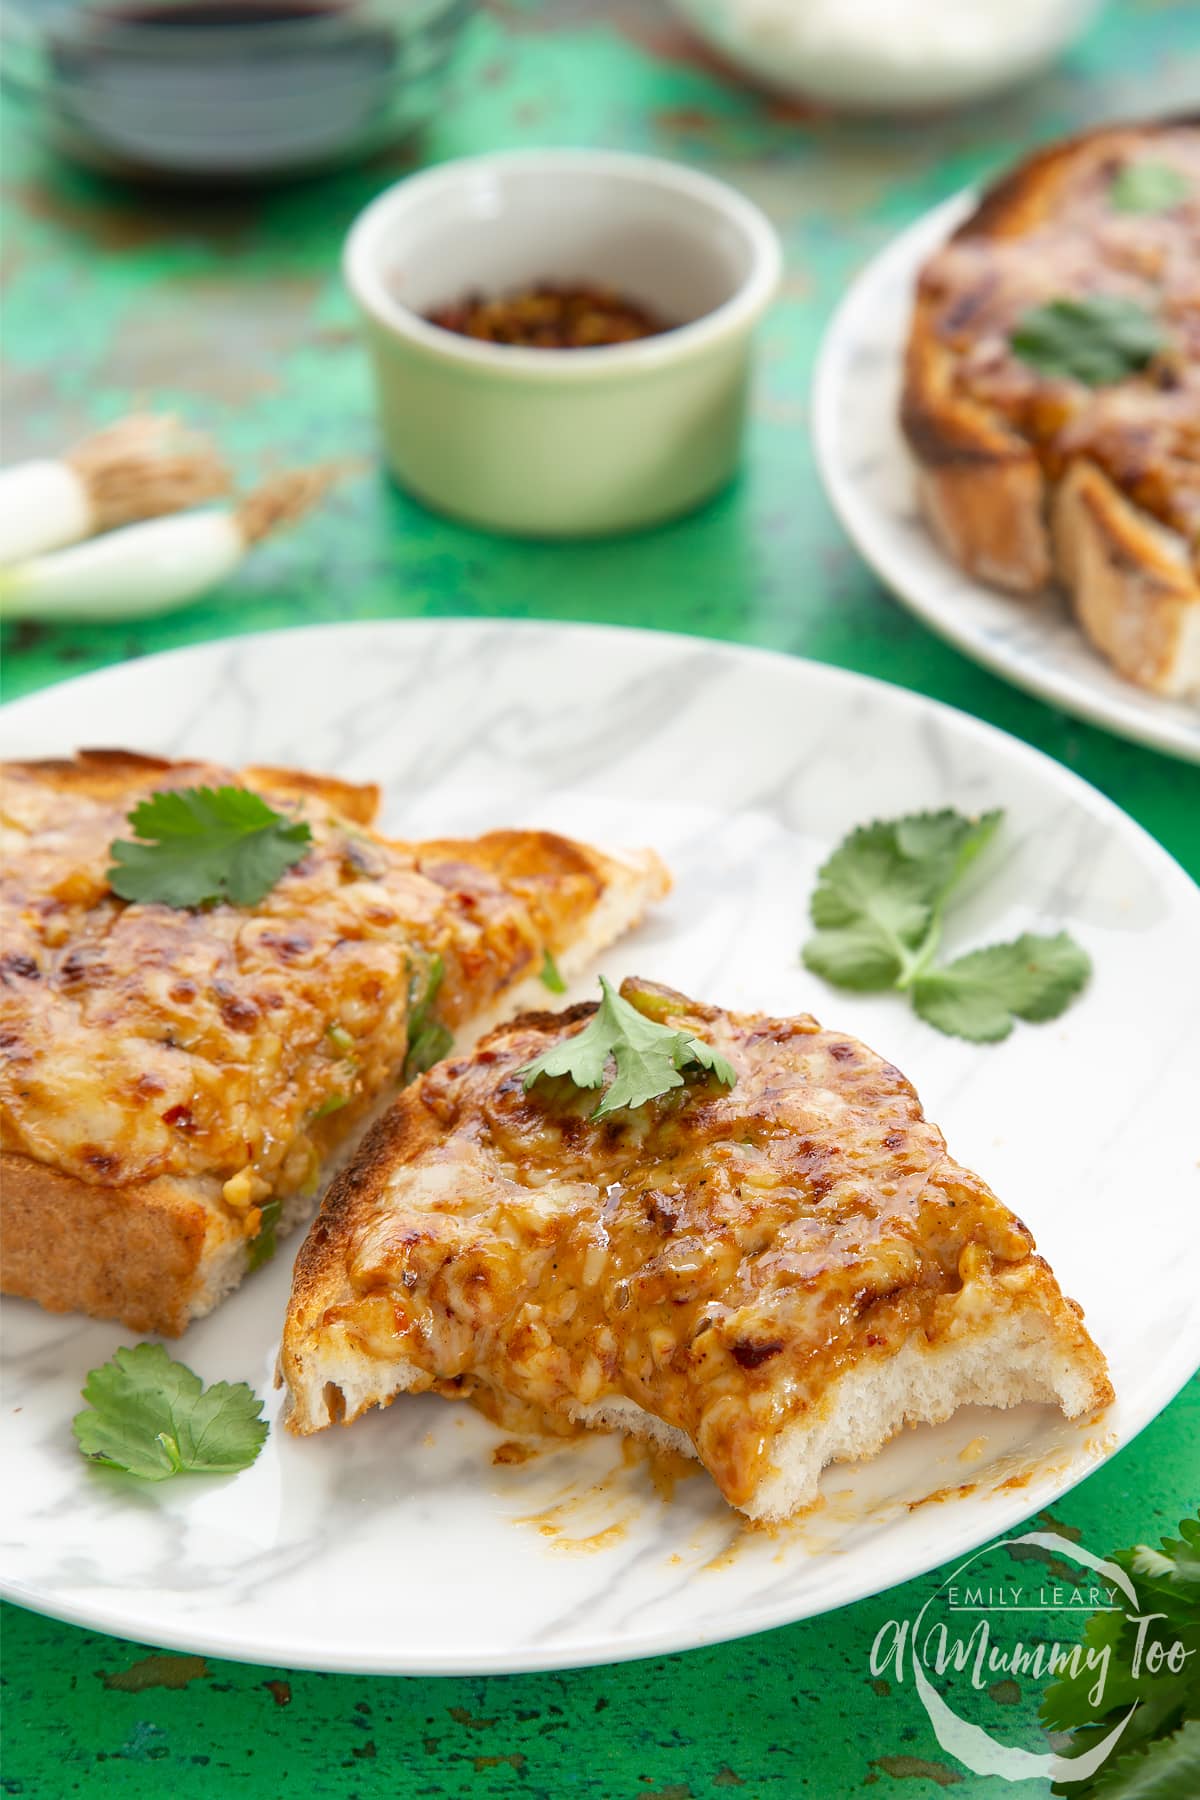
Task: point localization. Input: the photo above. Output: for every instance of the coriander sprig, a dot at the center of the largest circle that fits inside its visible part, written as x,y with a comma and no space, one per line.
647,1059
204,845
878,908
153,1417
1100,339
1155,1692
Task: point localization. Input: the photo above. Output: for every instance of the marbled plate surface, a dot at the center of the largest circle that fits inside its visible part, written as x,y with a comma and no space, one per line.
868,474
399,1545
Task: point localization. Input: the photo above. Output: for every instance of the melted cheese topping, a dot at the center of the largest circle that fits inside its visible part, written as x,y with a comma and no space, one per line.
714,1256
235,1045
1144,431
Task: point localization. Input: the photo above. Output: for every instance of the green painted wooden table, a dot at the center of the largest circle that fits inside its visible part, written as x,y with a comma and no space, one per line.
232,312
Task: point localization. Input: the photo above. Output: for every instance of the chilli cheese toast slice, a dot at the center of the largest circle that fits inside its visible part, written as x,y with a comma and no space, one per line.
174,1082
1052,390
770,1276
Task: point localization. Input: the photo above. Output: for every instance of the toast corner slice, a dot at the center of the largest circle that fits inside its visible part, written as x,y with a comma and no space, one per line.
155,1246
769,1278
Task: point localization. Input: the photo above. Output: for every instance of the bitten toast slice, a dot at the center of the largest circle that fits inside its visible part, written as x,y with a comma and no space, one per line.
769,1277
176,1083
1026,472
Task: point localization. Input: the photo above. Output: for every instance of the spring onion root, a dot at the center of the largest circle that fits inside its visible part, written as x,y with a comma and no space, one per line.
140,468
156,566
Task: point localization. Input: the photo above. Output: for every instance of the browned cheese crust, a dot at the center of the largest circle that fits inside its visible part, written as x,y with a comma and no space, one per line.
718,1257
1025,476
166,1073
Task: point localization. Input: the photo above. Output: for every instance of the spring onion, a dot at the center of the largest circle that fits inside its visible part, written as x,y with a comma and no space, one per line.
137,469
156,566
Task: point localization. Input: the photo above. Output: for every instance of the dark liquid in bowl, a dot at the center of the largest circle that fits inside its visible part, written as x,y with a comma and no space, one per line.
219,89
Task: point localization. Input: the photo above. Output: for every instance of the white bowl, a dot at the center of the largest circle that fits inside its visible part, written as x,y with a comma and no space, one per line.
888,55
562,442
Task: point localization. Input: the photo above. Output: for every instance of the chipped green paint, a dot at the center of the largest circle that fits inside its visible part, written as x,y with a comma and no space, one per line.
232,312
159,1670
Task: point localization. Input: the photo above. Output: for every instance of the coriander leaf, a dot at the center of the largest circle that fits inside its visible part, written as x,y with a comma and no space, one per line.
549,975
205,845
878,898
153,1417
860,957
1169,1769
1097,340
428,1038
1158,1757
1148,187
708,1058
262,1248
947,842
980,994
648,1059
1177,1561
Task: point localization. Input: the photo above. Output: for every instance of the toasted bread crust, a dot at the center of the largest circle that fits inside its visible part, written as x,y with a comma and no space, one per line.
1132,588
129,1253
993,501
107,774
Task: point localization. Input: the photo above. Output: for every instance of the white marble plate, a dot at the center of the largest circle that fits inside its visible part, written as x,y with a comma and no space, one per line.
868,475
398,1545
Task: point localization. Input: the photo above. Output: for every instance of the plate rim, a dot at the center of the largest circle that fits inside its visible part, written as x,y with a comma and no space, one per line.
207,1639
856,515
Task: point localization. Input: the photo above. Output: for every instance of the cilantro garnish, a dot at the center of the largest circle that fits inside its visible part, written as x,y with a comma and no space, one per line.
1148,187
878,901
1097,340
152,1417
428,1039
1158,1754
549,974
647,1059
204,845
878,908
979,995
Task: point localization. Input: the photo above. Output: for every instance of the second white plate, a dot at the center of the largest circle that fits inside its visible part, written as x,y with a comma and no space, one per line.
868,474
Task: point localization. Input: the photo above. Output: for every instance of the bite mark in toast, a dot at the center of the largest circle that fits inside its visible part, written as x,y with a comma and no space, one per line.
769,1277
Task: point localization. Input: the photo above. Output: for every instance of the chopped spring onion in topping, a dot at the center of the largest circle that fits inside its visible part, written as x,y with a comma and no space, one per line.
340,1038
549,975
647,1059
330,1104
204,845
428,1039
